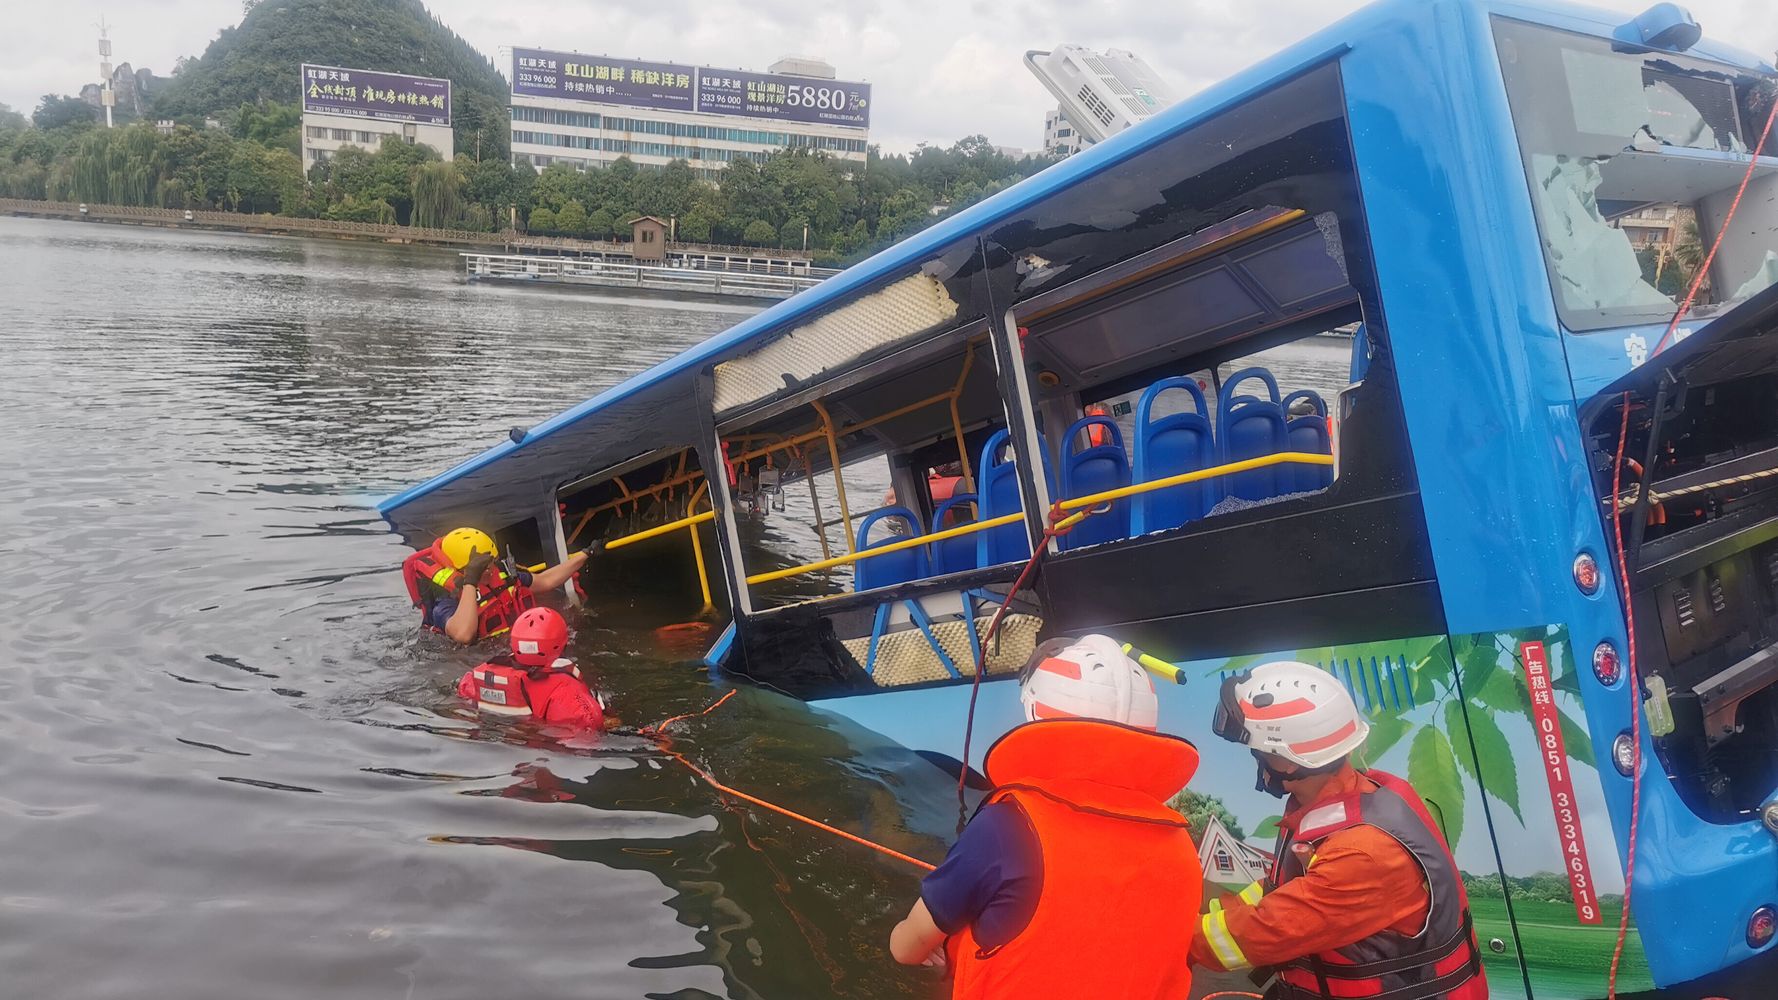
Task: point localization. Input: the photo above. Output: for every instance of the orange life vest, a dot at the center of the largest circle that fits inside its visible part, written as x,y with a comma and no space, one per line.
500,599
1121,878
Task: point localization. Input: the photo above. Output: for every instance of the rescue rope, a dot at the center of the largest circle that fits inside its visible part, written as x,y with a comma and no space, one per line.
656,730
1061,523
1630,496
1617,521
1721,231
1230,993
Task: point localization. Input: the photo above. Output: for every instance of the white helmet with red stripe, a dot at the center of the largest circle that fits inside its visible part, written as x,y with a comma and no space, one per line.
1300,713
1088,678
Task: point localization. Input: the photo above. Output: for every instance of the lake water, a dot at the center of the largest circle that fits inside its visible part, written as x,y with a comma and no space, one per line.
229,765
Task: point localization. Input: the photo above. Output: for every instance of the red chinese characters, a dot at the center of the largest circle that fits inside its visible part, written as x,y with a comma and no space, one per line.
1554,751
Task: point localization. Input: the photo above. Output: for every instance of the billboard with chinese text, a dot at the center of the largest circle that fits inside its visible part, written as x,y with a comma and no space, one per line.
362,93
669,86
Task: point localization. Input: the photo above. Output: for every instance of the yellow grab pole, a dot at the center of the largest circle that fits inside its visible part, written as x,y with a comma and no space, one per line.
1281,458
957,419
661,529
839,480
697,552
880,550
1078,504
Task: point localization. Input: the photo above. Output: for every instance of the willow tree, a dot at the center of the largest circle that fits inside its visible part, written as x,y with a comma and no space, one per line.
438,195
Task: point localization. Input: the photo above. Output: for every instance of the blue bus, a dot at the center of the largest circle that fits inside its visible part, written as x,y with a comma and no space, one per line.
1366,357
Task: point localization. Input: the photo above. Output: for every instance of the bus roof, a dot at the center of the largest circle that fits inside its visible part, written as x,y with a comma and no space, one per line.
512,480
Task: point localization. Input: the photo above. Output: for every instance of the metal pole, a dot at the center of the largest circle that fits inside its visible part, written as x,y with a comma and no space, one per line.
1015,391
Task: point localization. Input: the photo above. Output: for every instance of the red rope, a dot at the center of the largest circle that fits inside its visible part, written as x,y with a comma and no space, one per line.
1721,231
1057,515
762,803
1623,920
1617,521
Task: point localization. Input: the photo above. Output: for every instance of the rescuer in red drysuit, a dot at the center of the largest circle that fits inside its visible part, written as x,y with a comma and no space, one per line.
533,681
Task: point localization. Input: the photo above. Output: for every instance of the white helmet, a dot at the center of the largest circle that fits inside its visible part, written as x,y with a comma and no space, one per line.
1291,710
1088,678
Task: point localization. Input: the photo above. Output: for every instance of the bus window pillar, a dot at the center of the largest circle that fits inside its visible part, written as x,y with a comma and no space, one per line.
711,460
1015,393
555,539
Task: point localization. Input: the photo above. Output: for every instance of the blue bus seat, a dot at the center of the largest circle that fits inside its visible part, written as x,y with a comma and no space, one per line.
998,486
896,567
1096,469
1307,432
953,555
1169,446
1249,427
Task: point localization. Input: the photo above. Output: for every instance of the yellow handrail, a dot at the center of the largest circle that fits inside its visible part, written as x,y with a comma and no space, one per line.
661,529
1077,503
1294,457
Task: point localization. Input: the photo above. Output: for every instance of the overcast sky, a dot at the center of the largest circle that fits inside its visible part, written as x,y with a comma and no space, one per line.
939,69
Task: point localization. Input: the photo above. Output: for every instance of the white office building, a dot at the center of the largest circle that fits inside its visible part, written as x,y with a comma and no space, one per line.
591,110
1100,94
355,107
1059,137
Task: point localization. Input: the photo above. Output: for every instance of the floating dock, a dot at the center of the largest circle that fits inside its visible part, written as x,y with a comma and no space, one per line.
762,283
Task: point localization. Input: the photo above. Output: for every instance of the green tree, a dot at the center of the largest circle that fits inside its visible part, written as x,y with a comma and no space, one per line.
600,224
1197,808
437,194
60,111
10,119
541,220
571,218
759,233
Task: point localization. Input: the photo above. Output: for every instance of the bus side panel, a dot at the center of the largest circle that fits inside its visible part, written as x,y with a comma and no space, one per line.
1409,692
1517,693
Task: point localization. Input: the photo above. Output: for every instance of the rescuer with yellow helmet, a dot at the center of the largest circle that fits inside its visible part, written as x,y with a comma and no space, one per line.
464,590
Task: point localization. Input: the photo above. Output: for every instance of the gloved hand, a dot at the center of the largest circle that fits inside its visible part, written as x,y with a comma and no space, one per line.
477,567
597,547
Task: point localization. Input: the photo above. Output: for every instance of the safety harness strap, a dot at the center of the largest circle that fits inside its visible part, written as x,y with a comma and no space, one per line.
1390,966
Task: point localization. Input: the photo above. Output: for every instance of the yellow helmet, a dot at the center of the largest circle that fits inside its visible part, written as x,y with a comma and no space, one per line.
457,545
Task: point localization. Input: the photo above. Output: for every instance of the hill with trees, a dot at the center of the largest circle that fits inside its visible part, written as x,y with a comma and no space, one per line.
257,62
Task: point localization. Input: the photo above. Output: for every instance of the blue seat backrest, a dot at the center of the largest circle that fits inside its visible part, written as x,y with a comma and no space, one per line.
896,567
998,486
1249,427
953,555
1169,446
1095,469
1307,432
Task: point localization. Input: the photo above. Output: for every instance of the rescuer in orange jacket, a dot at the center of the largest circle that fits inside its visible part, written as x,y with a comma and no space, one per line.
534,681
1073,878
465,592
1364,899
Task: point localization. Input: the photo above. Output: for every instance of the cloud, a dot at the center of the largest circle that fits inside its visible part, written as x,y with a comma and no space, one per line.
939,69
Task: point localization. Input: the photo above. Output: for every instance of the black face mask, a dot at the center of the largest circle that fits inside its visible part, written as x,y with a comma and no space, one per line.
1269,781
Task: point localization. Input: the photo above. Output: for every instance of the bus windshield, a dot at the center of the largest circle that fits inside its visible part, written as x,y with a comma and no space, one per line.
1633,159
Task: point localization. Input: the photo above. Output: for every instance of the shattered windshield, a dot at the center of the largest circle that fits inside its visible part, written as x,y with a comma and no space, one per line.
1633,159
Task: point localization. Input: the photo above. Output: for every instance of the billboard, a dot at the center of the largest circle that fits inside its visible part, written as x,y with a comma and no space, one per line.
362,93
786,98
672,87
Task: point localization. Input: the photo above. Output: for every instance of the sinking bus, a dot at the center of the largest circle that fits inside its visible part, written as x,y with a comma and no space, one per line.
1364,358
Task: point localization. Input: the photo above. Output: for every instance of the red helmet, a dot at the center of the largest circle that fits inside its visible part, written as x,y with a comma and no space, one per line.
538,637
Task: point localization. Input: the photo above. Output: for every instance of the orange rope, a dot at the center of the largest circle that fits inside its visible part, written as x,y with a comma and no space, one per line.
762,803
1231,993
664,723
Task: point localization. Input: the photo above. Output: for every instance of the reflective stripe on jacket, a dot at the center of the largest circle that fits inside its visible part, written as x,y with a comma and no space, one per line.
500,599
1427,951
1121,879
